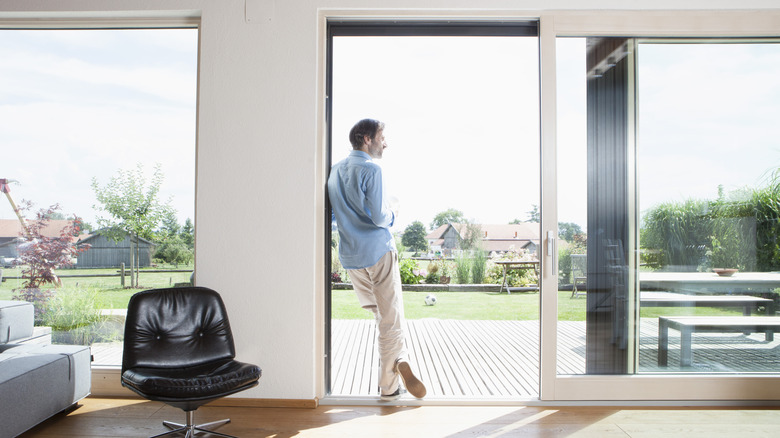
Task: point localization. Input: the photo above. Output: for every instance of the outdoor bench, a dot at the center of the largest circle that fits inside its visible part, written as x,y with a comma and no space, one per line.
671,299
687,325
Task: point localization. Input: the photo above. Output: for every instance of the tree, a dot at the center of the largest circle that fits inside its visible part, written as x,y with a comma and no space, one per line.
471,237
533,214
174,251
133,208
450,216
84,227
170,225
187,234
40,255
173,245
567,230
414,237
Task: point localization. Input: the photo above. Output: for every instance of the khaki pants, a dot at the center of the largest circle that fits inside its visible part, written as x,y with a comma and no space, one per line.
378,289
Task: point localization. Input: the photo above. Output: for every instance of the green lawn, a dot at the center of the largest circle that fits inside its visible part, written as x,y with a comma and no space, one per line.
115,295
450,305
493,306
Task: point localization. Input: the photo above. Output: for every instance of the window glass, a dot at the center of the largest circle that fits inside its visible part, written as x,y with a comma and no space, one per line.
90,118
708,160
667,155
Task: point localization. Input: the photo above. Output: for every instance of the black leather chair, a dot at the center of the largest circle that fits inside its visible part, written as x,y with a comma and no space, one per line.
179,350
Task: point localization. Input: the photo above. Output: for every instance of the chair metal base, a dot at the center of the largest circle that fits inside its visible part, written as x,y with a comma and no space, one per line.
190,429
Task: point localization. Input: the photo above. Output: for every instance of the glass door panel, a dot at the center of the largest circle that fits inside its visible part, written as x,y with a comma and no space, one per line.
709,197
667,197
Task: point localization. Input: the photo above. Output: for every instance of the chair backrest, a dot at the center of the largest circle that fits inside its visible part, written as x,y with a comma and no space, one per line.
579,265
176,327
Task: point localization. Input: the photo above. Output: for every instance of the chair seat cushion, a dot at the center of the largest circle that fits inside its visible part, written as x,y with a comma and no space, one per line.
214,379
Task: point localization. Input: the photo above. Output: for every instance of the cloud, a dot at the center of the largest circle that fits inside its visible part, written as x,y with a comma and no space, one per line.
83,104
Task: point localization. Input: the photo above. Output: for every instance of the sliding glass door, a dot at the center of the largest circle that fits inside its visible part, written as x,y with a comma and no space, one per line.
668,193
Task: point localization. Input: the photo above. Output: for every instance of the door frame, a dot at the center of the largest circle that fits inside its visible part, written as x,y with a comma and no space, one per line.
620,389
656,388
337,27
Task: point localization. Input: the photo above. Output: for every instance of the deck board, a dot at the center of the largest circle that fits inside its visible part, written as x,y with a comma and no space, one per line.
476,359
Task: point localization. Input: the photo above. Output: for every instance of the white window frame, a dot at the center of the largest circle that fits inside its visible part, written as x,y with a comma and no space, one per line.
626,389
106,380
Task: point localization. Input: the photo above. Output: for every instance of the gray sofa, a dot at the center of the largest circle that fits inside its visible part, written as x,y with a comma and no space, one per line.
37,379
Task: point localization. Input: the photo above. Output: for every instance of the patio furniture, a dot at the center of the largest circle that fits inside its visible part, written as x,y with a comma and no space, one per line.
179,349
579,274
687,325
671,299
516,264
709,283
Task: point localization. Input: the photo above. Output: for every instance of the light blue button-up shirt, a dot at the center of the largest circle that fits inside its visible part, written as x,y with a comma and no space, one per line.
361,210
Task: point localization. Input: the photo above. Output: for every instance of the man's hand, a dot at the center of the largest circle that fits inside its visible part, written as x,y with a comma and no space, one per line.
394,205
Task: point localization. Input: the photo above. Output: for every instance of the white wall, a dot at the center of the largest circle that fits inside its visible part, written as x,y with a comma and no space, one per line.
260,165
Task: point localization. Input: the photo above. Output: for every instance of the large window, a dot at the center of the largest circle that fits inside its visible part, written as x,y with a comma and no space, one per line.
94,120
678,161
708,158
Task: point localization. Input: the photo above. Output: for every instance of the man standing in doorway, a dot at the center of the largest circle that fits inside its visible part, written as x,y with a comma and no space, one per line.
367,250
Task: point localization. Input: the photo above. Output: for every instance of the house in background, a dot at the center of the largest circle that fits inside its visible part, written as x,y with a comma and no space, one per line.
107,253
495,238
11,232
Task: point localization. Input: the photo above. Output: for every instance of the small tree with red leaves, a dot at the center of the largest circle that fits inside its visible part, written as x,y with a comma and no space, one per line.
40,255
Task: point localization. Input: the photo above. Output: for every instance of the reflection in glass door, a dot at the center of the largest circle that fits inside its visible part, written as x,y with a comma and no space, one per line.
709,200
668,178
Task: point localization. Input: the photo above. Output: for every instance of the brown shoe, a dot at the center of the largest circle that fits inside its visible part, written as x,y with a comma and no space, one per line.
411,382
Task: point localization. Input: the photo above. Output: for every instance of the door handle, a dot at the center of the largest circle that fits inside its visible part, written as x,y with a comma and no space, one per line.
552,252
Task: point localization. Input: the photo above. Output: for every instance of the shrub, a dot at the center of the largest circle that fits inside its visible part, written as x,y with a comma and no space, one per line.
478,267
462,268
738,231
433,276
578,244
75,316
410,272
564,266
175,252
40,299
494,273
678,232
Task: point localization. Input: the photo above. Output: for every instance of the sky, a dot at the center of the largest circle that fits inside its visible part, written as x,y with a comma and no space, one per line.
707,117
462,116
82,104
462,121
463,125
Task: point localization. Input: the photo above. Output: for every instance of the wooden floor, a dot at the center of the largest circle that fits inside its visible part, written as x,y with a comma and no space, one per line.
99,417
495,359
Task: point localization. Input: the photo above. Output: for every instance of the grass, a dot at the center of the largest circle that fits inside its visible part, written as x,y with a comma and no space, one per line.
491,306
110,287
451,305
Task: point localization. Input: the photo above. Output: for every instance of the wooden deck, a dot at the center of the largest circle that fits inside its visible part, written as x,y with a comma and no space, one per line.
453,358
500,359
